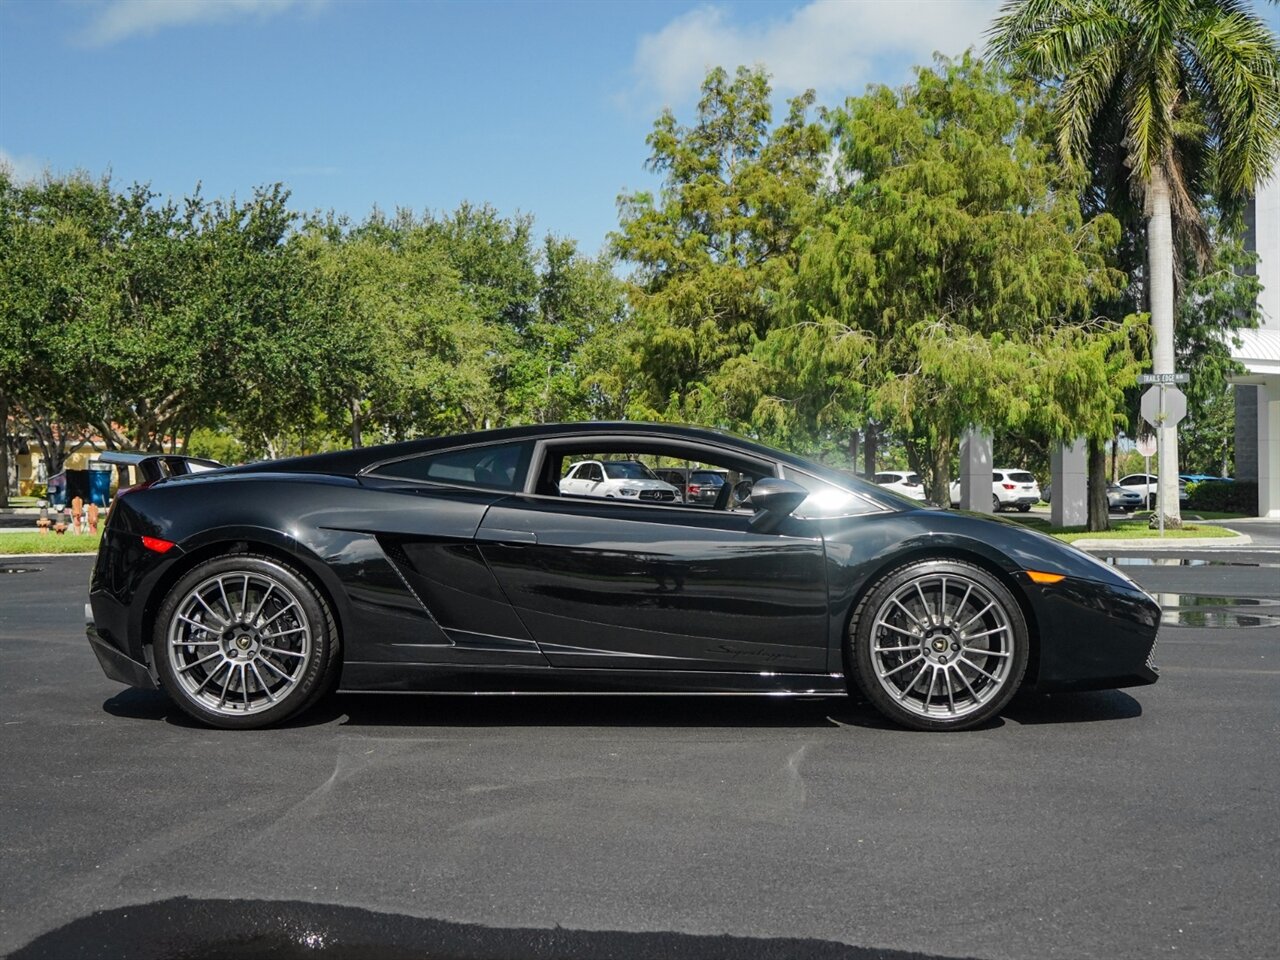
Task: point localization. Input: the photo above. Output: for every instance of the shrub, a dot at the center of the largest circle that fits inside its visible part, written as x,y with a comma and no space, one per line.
1223,497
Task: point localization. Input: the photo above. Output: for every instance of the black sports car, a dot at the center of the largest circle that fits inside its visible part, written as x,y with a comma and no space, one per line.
455,564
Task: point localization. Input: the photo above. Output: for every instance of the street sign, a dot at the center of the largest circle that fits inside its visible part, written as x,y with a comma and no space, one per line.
1164,378
1163,406
1147,445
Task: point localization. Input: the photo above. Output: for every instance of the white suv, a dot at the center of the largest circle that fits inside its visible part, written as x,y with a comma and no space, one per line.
902,482
617,479
1009,488
1149,485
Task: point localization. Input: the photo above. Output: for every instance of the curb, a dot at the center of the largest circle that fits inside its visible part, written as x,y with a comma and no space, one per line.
1155,543
44,556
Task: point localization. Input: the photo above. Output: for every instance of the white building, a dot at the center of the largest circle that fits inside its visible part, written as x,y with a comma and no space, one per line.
1258,390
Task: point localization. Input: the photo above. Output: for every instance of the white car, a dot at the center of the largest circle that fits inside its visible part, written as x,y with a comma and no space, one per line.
902,482
1149,483
1009,488
617,479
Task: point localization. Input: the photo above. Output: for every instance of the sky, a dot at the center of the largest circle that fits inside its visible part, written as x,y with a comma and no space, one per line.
540,108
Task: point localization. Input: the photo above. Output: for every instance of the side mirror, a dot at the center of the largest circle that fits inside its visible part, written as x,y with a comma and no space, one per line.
774,499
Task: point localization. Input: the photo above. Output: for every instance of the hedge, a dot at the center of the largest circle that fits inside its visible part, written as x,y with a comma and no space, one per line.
1240,496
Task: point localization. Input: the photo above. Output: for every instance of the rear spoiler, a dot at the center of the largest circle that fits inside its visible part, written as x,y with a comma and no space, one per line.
151,467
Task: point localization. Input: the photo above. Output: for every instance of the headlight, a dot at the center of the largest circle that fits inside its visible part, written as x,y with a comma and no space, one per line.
628,493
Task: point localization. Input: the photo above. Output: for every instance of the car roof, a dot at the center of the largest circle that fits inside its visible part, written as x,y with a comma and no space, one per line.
351,462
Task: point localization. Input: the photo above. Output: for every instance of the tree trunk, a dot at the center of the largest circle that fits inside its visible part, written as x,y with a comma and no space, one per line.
1115,459
1160,285
1098,512
871,441
355,423
940,473
4,450
853,451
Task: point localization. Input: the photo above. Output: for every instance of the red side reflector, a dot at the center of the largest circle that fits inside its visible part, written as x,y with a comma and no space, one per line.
157,545
1039,577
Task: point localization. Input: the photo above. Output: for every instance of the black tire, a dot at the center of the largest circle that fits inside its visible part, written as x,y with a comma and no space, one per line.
1024,507
988,699
303,684
995,504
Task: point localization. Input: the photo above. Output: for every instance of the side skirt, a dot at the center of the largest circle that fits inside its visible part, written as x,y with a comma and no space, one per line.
441,678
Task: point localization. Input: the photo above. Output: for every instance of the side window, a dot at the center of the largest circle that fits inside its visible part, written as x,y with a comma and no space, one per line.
495,466
594,473
825,499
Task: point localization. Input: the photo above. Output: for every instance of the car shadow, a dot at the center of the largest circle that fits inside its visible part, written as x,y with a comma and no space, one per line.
638,711
213,929
677,711
525,710
1089,707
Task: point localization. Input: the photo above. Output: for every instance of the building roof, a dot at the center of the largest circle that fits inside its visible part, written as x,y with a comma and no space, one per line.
1259,350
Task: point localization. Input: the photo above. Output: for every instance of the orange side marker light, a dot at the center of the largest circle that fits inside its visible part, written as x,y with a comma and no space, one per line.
1039,577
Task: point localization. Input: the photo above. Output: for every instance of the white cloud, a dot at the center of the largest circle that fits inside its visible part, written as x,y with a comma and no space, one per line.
24,168
823,44
117,20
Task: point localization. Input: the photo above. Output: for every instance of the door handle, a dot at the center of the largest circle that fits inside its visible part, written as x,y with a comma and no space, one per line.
496,535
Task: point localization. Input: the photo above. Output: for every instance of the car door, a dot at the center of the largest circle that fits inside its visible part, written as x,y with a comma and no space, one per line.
429,540
607,583
573,479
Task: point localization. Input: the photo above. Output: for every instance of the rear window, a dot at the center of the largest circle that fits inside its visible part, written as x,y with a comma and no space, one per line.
707,478
1022,477
628,470
496,466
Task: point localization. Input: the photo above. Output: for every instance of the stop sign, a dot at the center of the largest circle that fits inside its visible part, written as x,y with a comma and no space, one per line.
1174,403
1147,446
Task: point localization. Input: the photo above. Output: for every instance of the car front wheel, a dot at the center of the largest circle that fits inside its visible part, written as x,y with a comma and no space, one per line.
245,641
938,644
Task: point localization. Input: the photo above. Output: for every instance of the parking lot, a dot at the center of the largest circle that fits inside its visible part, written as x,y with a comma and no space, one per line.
1121,824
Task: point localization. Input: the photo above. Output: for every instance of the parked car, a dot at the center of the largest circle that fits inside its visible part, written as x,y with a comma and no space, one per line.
456,563
1149,484
1119,500
904,482
612,479
1204,478
695,486
1009,488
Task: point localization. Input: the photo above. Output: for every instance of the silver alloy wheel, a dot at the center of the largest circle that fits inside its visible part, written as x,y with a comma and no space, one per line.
942,646
239,643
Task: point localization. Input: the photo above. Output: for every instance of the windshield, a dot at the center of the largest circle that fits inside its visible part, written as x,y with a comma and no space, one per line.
628,470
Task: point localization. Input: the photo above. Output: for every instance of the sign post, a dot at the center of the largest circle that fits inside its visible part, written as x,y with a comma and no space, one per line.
1163,405
1146,447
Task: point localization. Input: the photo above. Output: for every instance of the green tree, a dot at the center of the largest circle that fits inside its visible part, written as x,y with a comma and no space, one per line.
54,289
1175,85
572,342
714,248
952,279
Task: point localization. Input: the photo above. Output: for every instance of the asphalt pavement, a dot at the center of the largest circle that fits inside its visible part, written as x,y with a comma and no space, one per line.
1134,823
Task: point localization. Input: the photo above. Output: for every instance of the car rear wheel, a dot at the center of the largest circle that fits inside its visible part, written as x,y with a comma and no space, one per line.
245,641
938,644
995,503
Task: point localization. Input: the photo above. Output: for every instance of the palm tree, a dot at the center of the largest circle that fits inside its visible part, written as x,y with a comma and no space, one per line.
1157,89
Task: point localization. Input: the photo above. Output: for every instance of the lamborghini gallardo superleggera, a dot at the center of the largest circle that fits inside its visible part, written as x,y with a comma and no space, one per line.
462,564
